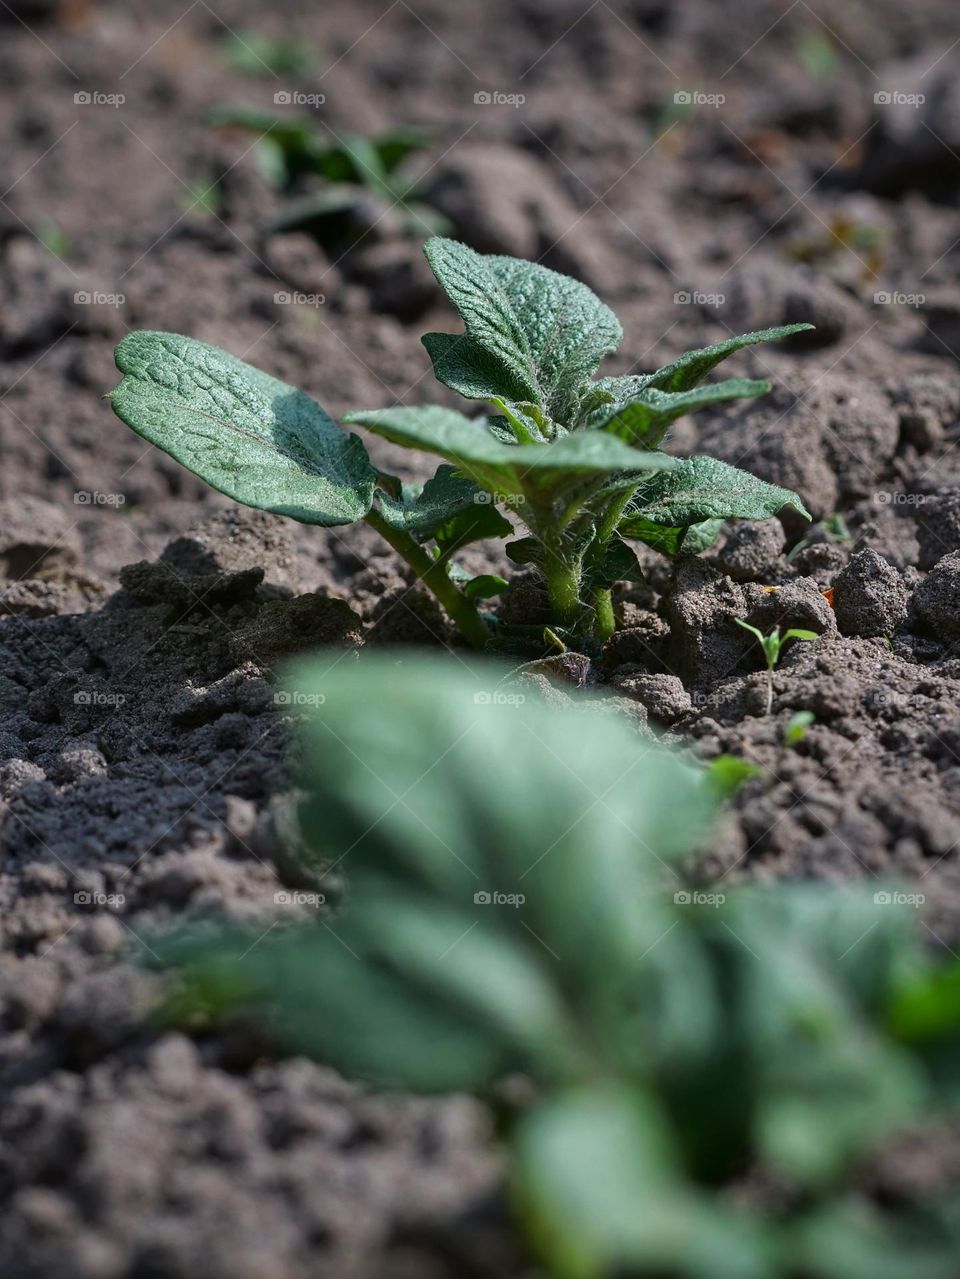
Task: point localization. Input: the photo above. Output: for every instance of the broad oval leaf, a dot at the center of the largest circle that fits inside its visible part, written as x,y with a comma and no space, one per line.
702,488
500,467
531,333
249,435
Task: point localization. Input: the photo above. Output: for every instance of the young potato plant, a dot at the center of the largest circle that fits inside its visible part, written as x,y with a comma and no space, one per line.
710,1074
573,458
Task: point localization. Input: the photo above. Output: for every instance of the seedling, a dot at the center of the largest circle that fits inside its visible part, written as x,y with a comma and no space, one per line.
254,54
575,459
352,167
772,645
711,1070
797,728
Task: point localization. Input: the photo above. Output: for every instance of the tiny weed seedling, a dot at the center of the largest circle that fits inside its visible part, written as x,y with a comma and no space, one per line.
576,460
797,728
711,1071
254,54
352,168
772,645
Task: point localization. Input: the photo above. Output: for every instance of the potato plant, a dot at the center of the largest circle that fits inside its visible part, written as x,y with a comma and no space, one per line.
710,1072
574,459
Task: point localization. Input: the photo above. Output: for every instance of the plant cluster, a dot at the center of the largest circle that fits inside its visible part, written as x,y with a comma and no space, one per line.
709,1072
351,168
573,458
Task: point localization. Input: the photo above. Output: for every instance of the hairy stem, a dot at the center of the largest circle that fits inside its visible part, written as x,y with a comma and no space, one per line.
604,623
433,574
609,518
563,589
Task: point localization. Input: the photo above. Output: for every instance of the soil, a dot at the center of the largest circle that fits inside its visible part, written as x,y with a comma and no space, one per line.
142,751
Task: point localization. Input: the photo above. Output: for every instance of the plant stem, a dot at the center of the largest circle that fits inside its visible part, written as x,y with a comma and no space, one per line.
433,574
604,622
769,689
563,589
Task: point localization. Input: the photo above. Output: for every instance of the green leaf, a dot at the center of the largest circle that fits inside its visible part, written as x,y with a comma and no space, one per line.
422,508
506,468
729,772
598,1179
671,541
797,727
643,421
702,488
484,586
619,564
245,433
531,334
693,366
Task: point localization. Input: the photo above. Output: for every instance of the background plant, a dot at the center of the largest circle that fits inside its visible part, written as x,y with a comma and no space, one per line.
709,1072
350,167
575,459
771,645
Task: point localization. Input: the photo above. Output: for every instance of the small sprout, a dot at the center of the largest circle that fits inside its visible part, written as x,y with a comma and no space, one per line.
203,198
254,54
727,773
574,459
797,727
772,644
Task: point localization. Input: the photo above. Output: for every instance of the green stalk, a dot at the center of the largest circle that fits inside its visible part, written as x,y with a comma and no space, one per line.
563,589
605,623
433,574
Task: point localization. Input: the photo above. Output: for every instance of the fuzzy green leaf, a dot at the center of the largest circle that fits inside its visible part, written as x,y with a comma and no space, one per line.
700,489
531,334
247,434
693,366
671,541
500,467
643,421
422,508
